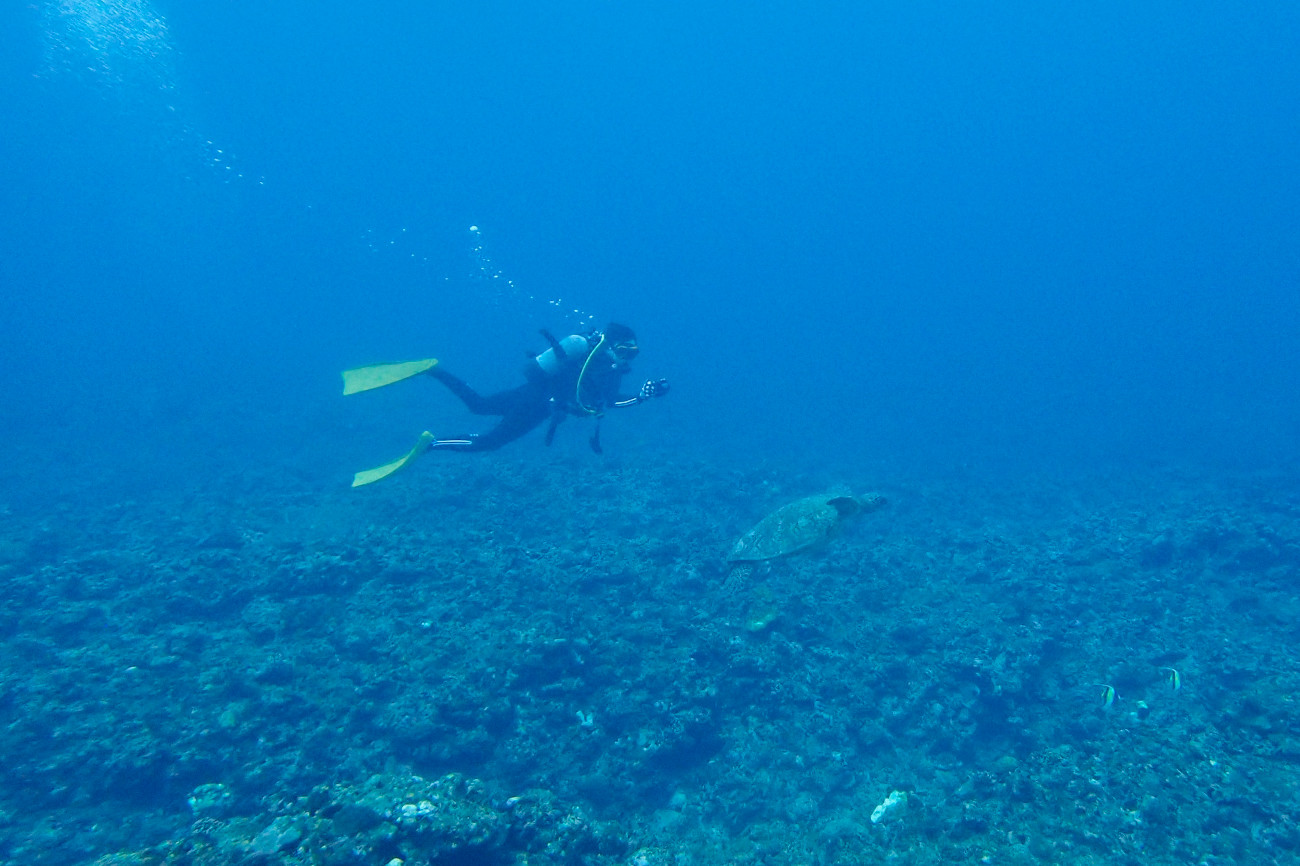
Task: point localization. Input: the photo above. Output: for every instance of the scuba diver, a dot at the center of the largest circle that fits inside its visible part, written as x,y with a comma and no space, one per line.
578,375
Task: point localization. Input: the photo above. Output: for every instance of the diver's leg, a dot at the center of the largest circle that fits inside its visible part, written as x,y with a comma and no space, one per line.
525,411
510,429
496,404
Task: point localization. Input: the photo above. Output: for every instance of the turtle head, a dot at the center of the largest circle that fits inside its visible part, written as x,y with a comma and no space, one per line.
850,505
872,501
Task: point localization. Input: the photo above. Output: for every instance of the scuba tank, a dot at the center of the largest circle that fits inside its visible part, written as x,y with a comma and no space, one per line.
551,363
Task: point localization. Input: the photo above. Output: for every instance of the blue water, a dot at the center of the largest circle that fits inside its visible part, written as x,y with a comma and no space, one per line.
889,241
1007,236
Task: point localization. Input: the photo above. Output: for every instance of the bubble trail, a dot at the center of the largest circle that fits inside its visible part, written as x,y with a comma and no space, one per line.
503,288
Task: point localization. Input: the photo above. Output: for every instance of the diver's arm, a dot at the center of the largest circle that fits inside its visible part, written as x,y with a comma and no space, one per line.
651,389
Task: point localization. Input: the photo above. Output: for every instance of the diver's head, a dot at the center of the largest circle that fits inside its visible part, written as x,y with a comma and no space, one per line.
621,341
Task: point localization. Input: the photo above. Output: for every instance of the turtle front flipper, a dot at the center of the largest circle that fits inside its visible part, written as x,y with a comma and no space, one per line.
737,578
757,600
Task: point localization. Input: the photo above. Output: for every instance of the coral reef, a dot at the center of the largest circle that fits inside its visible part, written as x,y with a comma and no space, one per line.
522,662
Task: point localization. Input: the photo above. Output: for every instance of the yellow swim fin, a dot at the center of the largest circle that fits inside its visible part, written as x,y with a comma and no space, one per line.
369,476
379,375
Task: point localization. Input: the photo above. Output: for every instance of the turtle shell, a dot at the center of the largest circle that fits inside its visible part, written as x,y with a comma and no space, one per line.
797,526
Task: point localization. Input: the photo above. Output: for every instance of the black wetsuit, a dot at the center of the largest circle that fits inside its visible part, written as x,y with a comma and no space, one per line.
524,408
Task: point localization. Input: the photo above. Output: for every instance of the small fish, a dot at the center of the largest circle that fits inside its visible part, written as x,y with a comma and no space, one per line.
1173,679
1108,695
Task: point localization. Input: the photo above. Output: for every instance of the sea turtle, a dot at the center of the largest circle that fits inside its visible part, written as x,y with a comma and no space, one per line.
797,526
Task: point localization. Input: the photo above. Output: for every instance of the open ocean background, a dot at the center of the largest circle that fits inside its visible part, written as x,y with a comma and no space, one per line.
1031,271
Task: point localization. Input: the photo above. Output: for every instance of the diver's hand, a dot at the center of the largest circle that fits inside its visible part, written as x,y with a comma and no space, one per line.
654,388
